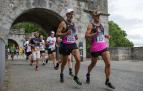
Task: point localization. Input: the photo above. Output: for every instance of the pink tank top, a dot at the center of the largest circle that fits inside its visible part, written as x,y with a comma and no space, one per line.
70,39
98,41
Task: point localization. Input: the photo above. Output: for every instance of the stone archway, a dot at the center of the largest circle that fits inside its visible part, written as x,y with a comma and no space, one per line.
12,42
15,11
46,18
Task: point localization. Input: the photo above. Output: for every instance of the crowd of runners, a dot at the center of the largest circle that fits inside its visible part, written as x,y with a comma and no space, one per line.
65,40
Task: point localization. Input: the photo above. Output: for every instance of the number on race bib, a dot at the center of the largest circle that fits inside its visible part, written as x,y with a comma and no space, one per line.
70,39
100,38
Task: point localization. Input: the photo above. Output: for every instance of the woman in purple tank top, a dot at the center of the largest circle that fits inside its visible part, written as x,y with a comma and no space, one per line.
95,32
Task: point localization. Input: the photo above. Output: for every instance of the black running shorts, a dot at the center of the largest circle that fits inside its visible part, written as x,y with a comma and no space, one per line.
50,51
96,54
66,49
28,53
42,51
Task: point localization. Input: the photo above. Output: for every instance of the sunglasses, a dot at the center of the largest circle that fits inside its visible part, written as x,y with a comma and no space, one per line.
71,13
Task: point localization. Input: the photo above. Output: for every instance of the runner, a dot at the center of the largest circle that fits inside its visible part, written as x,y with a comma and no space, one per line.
42,49
28,51
95,31
51,41
67,32
17,52
21,52
46,52
12,52
35,44
59,40
26,47
8,50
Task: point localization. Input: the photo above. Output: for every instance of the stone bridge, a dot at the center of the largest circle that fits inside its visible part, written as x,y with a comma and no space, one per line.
46,13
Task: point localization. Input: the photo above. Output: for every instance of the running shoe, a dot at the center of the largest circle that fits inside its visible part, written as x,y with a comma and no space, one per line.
76,79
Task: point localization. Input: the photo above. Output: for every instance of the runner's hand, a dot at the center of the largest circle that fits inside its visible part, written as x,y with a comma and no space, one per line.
94,34
107,36
59,40
76,37
68,32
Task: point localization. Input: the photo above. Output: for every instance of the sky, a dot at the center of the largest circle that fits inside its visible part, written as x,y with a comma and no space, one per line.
128,14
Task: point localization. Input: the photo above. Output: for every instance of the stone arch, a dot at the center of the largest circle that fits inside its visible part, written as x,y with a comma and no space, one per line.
15,16
14,42
46,18
11,10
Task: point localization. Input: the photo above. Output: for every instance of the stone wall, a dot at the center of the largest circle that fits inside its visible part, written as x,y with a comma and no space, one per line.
19,39
121,53
10,10
137,53
2,61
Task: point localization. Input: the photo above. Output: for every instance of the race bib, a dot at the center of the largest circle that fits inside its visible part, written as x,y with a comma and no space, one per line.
71,39
100,38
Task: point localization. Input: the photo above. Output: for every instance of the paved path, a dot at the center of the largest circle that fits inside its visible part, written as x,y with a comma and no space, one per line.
126,76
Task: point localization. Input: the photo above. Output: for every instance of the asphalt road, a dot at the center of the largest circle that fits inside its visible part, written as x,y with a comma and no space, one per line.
126,76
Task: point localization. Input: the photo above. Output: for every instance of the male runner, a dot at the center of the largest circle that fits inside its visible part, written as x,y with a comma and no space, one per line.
95,31
28,51
42,49
67,32
51,41
35,44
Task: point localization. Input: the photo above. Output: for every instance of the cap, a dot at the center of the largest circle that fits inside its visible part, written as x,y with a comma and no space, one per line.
96,13
52,32
69,10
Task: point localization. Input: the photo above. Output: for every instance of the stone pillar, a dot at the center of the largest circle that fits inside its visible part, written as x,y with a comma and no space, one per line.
2,61
103,8
3,41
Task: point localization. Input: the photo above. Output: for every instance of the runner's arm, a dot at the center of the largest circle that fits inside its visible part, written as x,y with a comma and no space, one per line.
89,33
107,36
60,31
31,43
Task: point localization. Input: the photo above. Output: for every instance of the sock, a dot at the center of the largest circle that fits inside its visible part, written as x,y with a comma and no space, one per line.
70,70
107,80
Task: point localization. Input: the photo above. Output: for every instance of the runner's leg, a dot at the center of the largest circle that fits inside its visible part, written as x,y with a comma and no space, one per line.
70,65
37,59
64,61
54,58
76,55
90,67
106,57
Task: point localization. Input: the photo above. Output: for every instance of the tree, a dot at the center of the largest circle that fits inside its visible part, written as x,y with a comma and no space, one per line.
30,27
118,36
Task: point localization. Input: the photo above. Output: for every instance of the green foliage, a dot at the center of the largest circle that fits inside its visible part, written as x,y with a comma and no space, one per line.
118,36
30,27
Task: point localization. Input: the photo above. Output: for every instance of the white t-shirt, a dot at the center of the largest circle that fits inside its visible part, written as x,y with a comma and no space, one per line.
51,41
28,47
26,43
42,45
